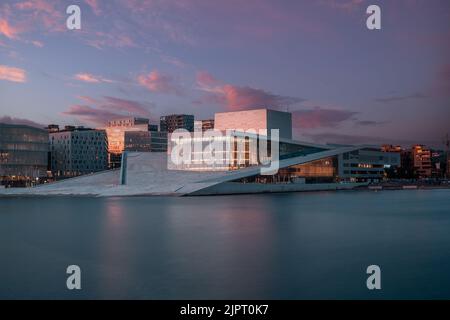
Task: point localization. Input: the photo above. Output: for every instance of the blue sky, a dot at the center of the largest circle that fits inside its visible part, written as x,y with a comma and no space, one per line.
342,82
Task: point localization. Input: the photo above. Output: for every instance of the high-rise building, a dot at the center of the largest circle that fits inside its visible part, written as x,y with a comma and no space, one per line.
172,122
78,151
421,158
23,155
259,119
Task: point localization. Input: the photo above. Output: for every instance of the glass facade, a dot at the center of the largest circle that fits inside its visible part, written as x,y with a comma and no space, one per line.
323,168
227,152
318,171
366,164
23,154
78,152
232,151
145,141
172,122
132,134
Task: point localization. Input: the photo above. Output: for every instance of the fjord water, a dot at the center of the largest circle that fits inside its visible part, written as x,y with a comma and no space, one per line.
271,246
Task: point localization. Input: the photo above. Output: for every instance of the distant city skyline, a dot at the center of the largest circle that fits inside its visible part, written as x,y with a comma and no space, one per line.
342,82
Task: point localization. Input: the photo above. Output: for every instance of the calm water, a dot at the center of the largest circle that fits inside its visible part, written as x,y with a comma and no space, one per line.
279,246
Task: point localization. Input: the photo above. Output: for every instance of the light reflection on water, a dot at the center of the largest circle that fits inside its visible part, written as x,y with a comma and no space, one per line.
298,245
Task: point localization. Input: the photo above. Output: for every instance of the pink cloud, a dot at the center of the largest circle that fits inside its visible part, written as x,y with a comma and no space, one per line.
173,61
38,44
100,40
90,114
235,97
12,33
7,30
12,74
87,77
88,99
205,79
158,82
246,97
38,5
48,15
129,106
100,111
320,117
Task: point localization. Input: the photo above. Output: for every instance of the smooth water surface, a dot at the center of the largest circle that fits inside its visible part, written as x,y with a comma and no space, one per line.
271,246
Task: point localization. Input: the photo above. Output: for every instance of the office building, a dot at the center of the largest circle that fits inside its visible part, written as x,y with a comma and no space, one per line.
76,151
172,122
145,141
421,160
366,164
23,155
116,131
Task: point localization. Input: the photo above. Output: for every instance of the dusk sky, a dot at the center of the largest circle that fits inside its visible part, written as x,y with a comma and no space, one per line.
317,59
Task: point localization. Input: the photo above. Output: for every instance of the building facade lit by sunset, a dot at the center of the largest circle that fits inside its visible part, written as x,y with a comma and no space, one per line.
421,161
116,131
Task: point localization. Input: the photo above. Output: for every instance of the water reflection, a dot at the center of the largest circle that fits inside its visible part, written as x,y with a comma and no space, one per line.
300,245
221,241
115,269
